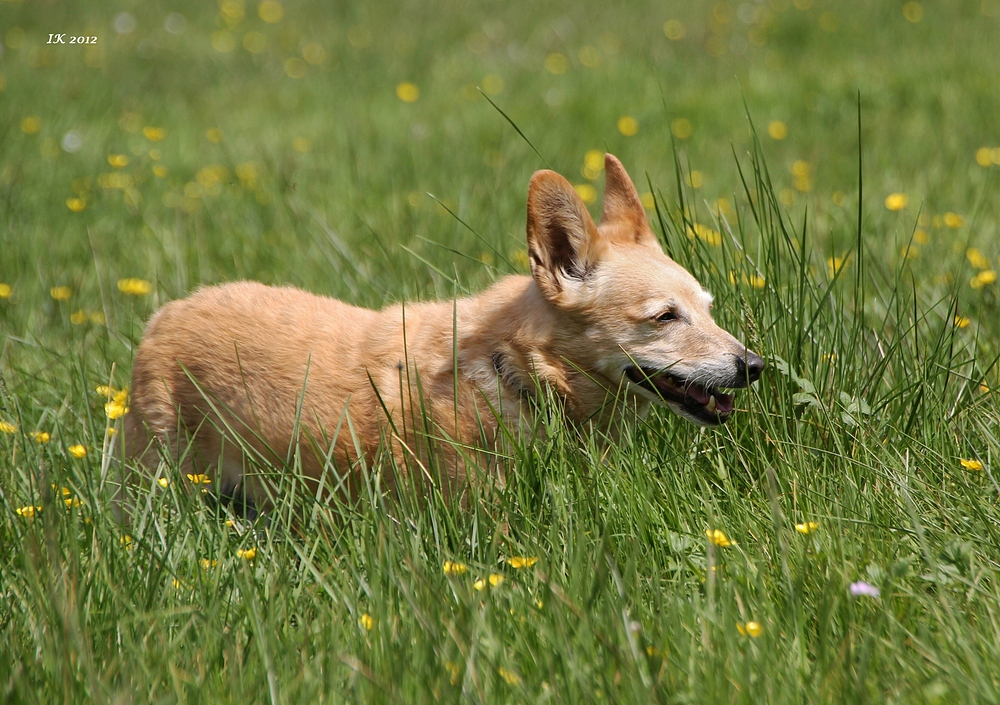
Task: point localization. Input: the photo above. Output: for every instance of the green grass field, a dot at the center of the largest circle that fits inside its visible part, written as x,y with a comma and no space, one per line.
351,151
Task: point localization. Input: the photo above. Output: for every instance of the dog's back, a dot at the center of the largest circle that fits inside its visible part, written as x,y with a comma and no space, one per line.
238,358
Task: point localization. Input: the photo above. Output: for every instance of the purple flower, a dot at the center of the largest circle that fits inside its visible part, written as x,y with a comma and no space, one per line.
861,588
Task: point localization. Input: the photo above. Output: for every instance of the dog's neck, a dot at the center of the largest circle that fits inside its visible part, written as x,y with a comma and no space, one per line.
525,345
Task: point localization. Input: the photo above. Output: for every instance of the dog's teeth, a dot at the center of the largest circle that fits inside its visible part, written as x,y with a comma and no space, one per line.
711,404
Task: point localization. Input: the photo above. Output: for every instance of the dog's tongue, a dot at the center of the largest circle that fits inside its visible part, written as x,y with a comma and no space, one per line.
723,402
698,393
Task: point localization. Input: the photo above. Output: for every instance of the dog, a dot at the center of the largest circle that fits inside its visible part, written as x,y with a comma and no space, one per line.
607,324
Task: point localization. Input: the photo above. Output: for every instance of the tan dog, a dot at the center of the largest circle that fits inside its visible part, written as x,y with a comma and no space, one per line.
607,324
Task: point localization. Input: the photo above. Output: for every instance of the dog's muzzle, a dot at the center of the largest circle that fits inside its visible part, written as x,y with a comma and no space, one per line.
707,405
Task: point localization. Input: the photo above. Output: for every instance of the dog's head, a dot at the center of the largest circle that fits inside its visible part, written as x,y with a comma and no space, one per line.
637,316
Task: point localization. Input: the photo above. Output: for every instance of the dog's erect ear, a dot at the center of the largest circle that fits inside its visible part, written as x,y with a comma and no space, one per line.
562,238
621,200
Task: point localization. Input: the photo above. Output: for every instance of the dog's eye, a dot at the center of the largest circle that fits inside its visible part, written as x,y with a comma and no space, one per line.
670,315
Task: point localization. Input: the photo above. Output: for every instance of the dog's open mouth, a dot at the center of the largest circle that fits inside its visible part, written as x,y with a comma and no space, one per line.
708,405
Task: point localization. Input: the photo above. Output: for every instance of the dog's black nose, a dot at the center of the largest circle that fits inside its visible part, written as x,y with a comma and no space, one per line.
749,367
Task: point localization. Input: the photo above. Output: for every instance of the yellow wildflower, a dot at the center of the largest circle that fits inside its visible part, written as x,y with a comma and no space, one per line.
77,451
212,174
76,204
589,56
295,67
834,265
953,220
753,629
682,128
31,125
206,563
454,568
896,201
712,237
777,130
40,436
913,11
807,527
7,427
982,279
556,64
977,259
199,479
718,537
134,287
72,502
314,53
971,464
522,561
247,554
407,92
586,192
271,11
28,512
118,161
246,172
961,321
115,409
366,621
674,30
163,482
628,125
593,164
494,580
154,134
5,291
126,541
78,318
509,676
60,293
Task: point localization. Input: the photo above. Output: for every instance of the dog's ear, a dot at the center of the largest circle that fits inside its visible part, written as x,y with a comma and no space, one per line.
562,238
621,201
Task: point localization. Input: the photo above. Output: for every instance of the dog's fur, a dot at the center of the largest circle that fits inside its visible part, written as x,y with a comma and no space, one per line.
606,323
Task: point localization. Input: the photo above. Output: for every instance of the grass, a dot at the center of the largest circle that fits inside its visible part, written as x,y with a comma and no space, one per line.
878,385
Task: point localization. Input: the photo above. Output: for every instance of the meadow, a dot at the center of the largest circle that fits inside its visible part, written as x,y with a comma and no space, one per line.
830,171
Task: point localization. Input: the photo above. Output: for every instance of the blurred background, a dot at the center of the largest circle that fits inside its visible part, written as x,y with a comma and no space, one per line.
297,142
